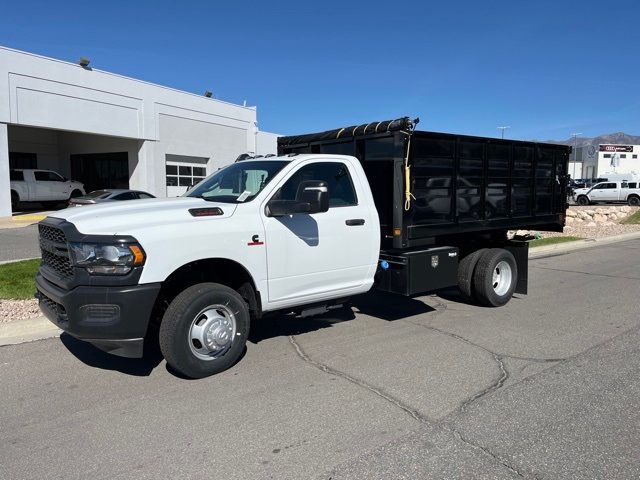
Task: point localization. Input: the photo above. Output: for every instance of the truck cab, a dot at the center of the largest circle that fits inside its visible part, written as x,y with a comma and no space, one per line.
257,236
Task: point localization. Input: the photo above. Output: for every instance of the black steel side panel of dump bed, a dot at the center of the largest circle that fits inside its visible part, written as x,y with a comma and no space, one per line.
466,184
460,184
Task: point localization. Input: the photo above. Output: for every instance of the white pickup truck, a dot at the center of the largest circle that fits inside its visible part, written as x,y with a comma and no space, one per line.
609,192
297,233
43,186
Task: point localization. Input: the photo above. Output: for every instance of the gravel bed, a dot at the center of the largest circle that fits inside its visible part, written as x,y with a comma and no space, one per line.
11,310
599,231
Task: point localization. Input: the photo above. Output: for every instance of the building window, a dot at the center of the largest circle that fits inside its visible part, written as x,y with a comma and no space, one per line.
182,172
184,175
23,160
607,155
634,156
623,155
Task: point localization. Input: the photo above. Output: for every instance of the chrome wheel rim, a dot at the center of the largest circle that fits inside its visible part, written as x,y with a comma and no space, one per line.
212,332
502,277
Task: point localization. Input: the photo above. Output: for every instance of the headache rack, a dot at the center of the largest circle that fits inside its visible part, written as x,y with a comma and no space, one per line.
429,185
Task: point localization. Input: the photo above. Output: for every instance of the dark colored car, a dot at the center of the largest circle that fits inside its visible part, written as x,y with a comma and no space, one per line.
108,195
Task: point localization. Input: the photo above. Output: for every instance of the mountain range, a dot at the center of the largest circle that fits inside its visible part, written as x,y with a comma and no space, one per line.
619,138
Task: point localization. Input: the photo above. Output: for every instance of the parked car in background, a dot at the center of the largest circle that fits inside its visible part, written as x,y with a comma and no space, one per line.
43,186
108,195
610,192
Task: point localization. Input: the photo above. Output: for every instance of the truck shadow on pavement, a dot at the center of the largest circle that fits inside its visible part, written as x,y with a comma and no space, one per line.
94,357
375,304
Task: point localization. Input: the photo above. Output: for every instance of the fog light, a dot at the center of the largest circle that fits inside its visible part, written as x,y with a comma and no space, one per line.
100,313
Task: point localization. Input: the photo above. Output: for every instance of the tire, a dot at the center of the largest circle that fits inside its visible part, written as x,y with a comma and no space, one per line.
15,201
75,194
634,201
465,273
200,309
495,290
583,200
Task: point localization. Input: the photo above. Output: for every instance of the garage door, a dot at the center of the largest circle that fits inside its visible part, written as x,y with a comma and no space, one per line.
182,172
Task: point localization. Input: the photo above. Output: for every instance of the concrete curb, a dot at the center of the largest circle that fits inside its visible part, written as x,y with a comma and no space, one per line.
21,331
5,262
537,252
28,218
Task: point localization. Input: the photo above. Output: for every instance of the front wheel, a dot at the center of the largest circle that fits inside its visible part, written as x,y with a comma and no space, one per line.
204,330
495,277
583,200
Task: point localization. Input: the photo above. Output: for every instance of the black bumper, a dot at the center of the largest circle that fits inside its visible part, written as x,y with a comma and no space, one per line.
113,318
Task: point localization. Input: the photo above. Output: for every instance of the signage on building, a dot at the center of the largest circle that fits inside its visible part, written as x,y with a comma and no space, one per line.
591,151
616,148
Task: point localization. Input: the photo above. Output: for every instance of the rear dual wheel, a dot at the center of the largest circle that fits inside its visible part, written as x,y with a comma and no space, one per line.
489,276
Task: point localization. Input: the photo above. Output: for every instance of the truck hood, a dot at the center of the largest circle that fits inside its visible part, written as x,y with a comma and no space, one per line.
128,216
581,190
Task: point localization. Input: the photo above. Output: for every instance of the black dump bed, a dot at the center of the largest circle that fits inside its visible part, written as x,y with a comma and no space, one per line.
457,184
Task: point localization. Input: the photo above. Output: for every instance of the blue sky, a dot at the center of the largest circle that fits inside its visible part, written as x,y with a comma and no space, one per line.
547,69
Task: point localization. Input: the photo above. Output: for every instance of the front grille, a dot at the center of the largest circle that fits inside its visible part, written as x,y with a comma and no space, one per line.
52,234
54,250
51,305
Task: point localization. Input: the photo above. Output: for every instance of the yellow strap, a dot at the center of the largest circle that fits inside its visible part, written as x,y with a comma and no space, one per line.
407,178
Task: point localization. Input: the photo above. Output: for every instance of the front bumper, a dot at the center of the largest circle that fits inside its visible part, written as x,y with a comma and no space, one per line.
113,318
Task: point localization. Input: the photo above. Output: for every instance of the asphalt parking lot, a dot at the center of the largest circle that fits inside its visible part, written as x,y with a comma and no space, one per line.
545,387
19,243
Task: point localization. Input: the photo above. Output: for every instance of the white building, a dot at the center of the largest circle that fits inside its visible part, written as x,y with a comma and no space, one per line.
591,162
618,159
110,131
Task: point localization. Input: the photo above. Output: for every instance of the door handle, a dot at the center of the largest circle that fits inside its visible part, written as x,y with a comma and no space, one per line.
354,221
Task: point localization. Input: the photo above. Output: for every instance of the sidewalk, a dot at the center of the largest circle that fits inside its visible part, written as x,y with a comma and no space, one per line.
21,331
22,219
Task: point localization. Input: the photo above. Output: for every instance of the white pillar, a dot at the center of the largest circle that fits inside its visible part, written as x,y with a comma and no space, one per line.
5,190
147,173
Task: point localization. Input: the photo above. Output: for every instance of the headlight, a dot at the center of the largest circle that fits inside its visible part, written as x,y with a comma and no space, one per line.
107,259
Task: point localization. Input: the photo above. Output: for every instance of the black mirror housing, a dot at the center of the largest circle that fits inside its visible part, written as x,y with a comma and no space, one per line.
312,197
280,208
316,194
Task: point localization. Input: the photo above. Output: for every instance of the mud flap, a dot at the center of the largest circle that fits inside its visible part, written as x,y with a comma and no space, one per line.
520,251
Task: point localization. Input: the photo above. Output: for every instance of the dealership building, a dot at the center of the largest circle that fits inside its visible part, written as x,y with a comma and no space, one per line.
110,131
590,161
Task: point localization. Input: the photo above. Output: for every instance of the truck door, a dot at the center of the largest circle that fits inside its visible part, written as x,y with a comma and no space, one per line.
609,192
312,255
42,187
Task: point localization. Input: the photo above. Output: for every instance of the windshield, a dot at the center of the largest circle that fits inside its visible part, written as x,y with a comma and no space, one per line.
237,183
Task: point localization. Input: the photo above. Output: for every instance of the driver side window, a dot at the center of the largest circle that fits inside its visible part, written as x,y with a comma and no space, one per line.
335,174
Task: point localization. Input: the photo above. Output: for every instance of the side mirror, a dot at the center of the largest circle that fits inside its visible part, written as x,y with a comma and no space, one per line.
312,197
316,194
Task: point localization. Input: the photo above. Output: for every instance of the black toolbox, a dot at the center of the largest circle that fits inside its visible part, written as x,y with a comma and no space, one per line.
417,271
